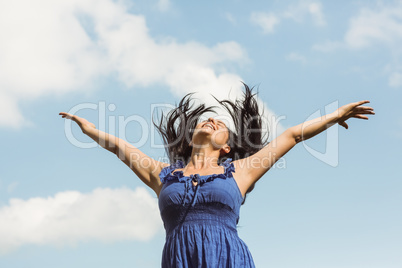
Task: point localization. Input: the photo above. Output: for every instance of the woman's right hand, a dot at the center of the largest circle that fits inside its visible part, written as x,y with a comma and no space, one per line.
84,124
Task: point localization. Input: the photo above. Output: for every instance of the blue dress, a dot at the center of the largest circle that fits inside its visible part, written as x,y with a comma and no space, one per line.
200,221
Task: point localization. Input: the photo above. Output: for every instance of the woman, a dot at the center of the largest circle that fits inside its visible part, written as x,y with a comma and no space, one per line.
211,171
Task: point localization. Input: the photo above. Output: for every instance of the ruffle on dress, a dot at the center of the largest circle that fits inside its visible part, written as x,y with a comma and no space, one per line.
166,173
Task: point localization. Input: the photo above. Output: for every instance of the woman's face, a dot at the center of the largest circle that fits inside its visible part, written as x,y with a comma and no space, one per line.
213,129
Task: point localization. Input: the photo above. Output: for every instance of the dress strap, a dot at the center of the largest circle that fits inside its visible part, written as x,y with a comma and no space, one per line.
166,171
229,167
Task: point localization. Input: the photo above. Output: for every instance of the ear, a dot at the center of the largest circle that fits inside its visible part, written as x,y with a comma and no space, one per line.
225,149
190,144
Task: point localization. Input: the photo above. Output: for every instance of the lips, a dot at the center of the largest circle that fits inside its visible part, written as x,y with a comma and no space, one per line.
210,124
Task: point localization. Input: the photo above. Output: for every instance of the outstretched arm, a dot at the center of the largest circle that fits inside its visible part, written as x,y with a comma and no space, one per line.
146,168
252,168
313,127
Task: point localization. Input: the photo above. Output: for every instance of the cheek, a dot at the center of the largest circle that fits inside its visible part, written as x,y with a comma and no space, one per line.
221,136
198,126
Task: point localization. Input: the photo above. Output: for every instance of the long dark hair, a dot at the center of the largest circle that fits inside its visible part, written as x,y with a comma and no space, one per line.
246,141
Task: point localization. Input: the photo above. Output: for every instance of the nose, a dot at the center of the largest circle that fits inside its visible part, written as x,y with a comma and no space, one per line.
212,120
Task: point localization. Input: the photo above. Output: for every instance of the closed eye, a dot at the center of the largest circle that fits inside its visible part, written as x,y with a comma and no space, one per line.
220,122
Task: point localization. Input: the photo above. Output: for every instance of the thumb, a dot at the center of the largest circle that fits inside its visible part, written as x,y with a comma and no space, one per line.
343,123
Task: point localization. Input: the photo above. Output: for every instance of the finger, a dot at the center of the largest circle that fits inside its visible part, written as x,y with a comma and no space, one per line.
361,102
360,116
363,112
65,115
365,107
343,124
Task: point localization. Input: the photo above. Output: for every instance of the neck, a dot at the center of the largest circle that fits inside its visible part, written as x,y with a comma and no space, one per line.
204,157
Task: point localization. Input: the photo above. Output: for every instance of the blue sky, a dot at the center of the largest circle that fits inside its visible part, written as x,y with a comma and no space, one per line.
332,201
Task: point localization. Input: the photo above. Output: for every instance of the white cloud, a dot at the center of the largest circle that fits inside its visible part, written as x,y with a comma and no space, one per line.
395,79
299,11
163,5
315,10
12,186
11,115
230,18
370,28
59,46
381,25
376,26
293,56
70,217
266,21
328,46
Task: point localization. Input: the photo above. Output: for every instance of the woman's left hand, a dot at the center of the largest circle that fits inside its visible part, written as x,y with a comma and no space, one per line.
353,110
